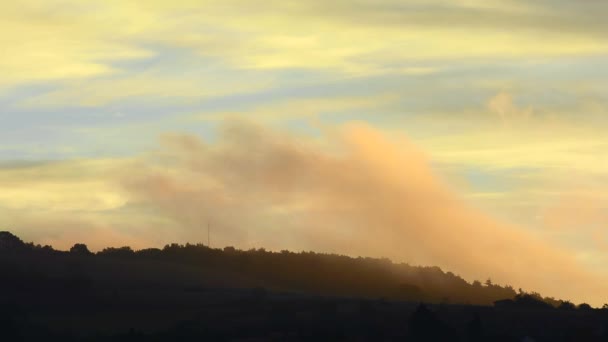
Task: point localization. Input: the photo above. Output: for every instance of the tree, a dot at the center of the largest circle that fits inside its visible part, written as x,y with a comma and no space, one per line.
531,301
584,307
80,249
120,252
9,241
566,305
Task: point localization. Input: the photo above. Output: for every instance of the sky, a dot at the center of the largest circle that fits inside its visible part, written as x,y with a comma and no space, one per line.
466,134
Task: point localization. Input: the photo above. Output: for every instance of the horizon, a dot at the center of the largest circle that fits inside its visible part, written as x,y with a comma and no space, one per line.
467,135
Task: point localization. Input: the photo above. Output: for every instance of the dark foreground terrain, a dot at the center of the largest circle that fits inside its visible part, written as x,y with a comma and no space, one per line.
194,293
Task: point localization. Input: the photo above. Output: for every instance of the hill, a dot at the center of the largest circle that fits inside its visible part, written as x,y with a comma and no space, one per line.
198,265
181,289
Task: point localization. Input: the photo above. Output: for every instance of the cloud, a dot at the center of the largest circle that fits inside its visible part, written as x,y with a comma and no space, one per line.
55,42
156,85
578,214
305,108
63,40
502,105
354,191
541,166
506,135
58,187
369,196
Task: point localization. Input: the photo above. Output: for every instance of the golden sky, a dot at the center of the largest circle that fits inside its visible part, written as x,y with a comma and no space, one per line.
364,127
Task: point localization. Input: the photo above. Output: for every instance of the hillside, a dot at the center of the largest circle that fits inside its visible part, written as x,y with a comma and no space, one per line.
78,295
198,265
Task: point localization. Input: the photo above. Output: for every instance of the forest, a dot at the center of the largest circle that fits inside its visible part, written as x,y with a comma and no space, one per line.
193,292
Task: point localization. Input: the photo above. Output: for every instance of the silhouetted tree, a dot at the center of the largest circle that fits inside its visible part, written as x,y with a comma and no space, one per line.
566,305
9,242
117,252
80,249
149,253
585,307
530,301
229,249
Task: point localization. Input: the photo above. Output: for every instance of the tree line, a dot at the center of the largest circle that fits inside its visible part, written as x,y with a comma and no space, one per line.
306,272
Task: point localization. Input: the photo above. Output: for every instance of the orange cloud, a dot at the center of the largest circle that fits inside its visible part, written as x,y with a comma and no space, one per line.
353,191
360,193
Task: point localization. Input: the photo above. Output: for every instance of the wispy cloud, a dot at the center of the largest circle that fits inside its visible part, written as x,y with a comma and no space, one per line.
61,40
